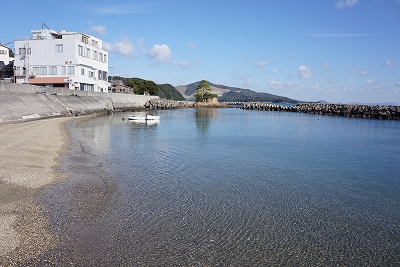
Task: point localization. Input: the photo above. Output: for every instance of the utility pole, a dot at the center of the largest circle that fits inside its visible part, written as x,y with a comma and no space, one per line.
112,72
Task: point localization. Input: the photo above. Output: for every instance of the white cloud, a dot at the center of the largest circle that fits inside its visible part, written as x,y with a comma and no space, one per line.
274,70
389,63
191,45
352,70
99,29
183,64
275,84
123,47
315,86
325,65
370,82
304,72
364,72
160,53
345,3
292,84
261,64
397,84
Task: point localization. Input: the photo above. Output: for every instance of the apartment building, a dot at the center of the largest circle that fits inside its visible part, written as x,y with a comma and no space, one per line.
62,59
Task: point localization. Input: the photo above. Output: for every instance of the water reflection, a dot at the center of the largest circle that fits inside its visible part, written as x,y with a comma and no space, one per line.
203,118
144,122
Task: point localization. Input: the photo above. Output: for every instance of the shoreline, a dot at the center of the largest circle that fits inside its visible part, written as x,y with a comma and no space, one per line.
29,156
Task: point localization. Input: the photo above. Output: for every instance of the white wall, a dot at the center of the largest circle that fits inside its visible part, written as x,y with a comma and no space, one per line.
4,55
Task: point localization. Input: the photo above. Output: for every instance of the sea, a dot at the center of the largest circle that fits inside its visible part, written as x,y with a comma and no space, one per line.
227,187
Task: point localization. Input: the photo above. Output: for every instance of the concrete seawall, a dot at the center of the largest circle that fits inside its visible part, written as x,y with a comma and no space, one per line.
21,101
344,110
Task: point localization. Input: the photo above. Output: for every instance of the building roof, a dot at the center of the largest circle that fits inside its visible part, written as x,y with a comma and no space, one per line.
52,80
117,82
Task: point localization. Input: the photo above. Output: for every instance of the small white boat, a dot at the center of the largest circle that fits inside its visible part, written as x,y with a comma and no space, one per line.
143,118
152,117
136,118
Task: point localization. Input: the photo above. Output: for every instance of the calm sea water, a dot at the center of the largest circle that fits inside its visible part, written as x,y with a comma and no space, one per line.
227,187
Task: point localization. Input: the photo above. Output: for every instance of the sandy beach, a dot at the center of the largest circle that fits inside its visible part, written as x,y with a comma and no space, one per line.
28,159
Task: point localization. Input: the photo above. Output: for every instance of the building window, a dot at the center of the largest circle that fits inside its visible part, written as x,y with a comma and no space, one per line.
59,48
105,58
94,55
94,43
104,75
82,71
100,75
87,52
101,57
43,71
53,70
22,51
63,71
80,50
85,39
91,74
35,70
71,70
2,52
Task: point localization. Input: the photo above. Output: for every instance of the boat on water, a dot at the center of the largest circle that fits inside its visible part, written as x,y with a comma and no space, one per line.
152,117
143,118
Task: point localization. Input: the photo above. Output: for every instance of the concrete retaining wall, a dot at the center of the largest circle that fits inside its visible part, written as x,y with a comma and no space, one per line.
21,101
344,110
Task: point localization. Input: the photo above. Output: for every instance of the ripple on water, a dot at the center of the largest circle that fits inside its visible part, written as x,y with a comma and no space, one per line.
208,197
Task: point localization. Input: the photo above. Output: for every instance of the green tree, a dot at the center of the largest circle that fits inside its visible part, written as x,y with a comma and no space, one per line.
140,86
203,91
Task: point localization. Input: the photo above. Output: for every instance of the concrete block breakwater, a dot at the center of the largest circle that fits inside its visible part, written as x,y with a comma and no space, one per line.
344,110
168,104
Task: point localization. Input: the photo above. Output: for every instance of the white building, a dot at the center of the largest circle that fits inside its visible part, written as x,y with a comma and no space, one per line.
62,59
5,55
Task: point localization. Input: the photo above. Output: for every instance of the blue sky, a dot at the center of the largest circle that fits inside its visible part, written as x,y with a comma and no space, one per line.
336,50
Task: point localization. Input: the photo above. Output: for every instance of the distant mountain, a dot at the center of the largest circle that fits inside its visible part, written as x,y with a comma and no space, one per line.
233,94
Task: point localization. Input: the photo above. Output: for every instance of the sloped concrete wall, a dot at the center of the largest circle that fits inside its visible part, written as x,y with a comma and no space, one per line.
20,101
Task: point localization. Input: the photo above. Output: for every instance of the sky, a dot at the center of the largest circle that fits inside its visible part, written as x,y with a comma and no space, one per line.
340,51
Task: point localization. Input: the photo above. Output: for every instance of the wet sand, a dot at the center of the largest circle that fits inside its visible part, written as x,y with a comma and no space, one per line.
28,159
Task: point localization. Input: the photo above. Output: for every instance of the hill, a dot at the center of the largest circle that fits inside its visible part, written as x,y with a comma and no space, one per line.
233,94
167,91
139,85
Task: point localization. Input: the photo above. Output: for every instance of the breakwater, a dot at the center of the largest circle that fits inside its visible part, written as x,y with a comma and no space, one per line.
344,110
22,101
173,104
168,104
